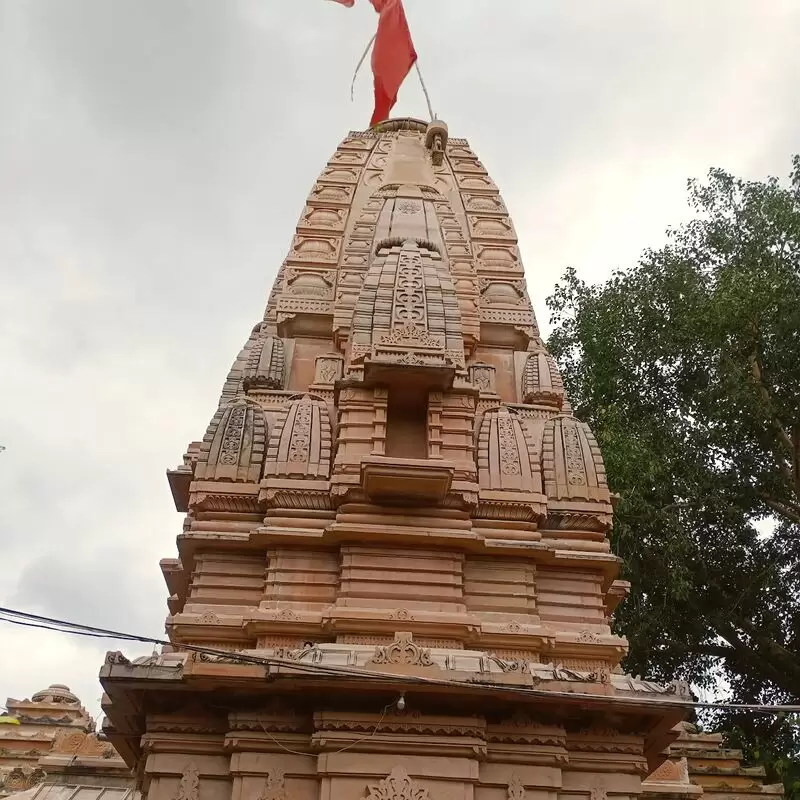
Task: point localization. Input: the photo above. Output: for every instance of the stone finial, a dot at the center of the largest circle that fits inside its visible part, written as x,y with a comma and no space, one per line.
436,137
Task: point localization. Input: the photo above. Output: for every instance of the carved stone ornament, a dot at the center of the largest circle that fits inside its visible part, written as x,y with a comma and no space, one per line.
274,785
328,369
410,335
483,376
189,787
516,788
16,780
397,786
403,651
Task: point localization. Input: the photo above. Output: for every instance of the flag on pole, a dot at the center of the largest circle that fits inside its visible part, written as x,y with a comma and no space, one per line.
392,56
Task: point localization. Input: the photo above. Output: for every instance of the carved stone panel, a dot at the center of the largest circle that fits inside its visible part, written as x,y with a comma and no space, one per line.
311,249
483,376
322,218
328,194
328,368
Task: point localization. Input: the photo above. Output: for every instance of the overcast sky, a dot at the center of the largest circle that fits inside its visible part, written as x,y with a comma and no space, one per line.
155,156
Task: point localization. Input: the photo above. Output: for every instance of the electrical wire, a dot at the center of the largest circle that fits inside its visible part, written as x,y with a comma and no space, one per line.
335,752
26,619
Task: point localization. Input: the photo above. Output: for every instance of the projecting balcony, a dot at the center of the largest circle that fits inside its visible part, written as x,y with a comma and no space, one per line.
405,481
435,376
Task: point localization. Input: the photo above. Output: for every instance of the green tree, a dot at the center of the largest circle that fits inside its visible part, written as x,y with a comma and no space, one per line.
687,367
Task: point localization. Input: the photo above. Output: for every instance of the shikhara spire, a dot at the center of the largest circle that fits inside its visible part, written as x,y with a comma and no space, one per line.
394,485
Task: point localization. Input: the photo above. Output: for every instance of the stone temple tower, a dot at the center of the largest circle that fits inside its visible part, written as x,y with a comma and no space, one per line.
394,580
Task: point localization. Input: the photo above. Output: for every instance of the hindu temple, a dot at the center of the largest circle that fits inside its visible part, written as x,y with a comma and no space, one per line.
394,578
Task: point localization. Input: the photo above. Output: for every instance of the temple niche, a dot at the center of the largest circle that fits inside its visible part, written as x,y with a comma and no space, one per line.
394,577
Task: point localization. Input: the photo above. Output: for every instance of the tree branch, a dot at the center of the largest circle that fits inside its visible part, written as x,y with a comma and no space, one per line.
781,509
791,475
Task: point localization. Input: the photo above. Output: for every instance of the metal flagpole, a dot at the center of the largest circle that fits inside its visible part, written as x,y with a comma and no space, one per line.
425,91
360,62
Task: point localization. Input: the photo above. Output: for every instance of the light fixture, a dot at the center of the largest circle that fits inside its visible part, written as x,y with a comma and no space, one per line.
401,702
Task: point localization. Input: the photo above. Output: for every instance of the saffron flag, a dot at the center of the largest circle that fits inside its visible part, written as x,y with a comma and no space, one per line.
392,57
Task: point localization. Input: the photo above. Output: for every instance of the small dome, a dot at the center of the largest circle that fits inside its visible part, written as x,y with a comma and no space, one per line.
56,693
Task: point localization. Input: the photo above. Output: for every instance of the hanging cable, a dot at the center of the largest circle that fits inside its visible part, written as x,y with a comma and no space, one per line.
72,628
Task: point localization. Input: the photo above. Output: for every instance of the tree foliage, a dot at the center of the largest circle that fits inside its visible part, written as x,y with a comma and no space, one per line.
687,367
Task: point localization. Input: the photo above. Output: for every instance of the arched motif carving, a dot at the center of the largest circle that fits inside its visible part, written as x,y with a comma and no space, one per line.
541,381
234,444
266,364
300,444
574,476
